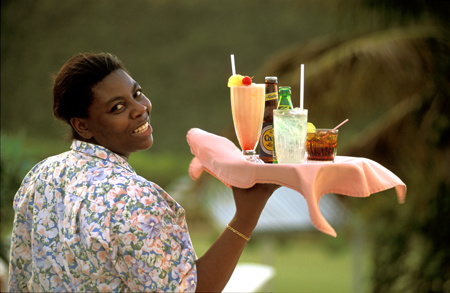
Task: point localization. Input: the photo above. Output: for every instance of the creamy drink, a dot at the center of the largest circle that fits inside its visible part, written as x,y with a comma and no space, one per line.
247,106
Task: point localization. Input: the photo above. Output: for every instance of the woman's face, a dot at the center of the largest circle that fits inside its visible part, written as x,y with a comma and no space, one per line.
119,116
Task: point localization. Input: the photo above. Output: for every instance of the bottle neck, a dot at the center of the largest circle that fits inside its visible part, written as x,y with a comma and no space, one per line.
285,102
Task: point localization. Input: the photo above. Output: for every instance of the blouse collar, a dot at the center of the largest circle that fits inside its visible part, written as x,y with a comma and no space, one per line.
101,152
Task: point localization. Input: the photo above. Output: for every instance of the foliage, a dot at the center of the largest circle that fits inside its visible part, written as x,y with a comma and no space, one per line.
162,168
406,10
16,161
392,86
182,65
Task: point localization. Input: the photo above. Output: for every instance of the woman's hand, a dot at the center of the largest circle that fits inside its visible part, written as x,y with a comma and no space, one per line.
215,267
250,202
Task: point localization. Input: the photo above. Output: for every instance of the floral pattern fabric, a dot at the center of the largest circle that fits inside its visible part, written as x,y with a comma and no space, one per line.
85,221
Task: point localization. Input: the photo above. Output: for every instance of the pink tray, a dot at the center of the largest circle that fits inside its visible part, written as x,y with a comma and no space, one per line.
351,176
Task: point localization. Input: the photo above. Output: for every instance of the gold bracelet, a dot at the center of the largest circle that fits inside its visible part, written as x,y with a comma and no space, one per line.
238,233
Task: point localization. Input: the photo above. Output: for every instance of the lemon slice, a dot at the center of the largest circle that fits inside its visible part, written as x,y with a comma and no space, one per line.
235,80
310,127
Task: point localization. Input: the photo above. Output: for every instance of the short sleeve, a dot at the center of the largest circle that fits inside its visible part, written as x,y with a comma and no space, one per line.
152,247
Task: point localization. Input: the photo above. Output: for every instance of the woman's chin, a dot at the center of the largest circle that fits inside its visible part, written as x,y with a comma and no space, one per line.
149,142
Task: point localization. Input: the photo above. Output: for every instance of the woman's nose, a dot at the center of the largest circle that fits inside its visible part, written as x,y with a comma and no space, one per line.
139,110
149,106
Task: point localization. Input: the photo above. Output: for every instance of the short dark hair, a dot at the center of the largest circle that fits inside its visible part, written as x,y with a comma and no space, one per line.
72,90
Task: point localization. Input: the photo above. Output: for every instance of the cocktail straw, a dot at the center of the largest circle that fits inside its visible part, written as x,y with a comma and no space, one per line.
342,123
302,71
233,68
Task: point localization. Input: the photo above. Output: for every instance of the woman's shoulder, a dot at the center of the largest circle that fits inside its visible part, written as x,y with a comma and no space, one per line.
119,185
132,185
47,165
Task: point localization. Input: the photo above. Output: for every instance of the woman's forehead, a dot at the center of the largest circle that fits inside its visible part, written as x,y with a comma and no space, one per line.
114,84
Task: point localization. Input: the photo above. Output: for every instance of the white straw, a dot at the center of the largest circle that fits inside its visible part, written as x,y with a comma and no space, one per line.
302,71
233,68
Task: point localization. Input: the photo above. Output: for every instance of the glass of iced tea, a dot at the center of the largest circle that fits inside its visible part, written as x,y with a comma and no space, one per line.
321,145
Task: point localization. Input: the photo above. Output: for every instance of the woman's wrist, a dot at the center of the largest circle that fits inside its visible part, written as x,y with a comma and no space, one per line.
244,225
238,233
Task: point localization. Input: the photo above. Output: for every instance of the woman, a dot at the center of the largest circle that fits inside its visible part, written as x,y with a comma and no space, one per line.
85,221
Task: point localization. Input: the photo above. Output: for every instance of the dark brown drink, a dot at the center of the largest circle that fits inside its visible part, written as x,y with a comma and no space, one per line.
322,145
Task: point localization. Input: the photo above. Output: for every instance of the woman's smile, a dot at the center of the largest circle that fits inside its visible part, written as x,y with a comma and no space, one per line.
119,117
143,129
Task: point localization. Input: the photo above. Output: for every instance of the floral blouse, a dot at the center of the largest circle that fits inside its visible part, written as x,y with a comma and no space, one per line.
85,221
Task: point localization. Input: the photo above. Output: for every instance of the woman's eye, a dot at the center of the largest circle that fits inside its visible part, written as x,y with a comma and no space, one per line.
138,94
117,107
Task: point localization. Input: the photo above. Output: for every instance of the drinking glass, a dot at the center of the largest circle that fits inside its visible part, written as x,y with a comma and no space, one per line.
321,145
247,107
290,135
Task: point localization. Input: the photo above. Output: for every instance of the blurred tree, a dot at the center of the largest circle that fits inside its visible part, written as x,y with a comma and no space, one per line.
16,161
393,85
410,248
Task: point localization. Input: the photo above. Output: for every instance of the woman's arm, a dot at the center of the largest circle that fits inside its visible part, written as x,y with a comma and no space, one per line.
215,267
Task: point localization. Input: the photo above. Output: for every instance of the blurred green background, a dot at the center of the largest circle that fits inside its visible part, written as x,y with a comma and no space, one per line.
382,64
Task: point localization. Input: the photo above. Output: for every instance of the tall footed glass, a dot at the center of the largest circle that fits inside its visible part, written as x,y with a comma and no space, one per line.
247,107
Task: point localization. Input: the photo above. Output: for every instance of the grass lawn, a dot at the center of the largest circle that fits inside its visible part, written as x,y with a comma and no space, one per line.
304,262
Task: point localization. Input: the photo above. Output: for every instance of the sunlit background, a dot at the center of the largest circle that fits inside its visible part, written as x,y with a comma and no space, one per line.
382,64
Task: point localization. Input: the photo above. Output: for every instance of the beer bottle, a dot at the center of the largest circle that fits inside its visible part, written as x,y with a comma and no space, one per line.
266,138
284,103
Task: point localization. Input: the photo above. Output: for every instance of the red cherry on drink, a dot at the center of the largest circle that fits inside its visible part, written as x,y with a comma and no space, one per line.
247,80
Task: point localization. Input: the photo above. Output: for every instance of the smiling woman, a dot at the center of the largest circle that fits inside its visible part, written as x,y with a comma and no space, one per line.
85,221
103,104
118,116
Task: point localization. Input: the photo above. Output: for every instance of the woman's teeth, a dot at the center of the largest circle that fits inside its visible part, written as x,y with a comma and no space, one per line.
141,129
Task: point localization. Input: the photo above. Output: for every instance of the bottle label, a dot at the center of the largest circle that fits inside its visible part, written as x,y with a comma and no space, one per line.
266,140
271,96
284,107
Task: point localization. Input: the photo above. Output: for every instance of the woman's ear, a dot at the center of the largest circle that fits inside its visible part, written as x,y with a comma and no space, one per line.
81,126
